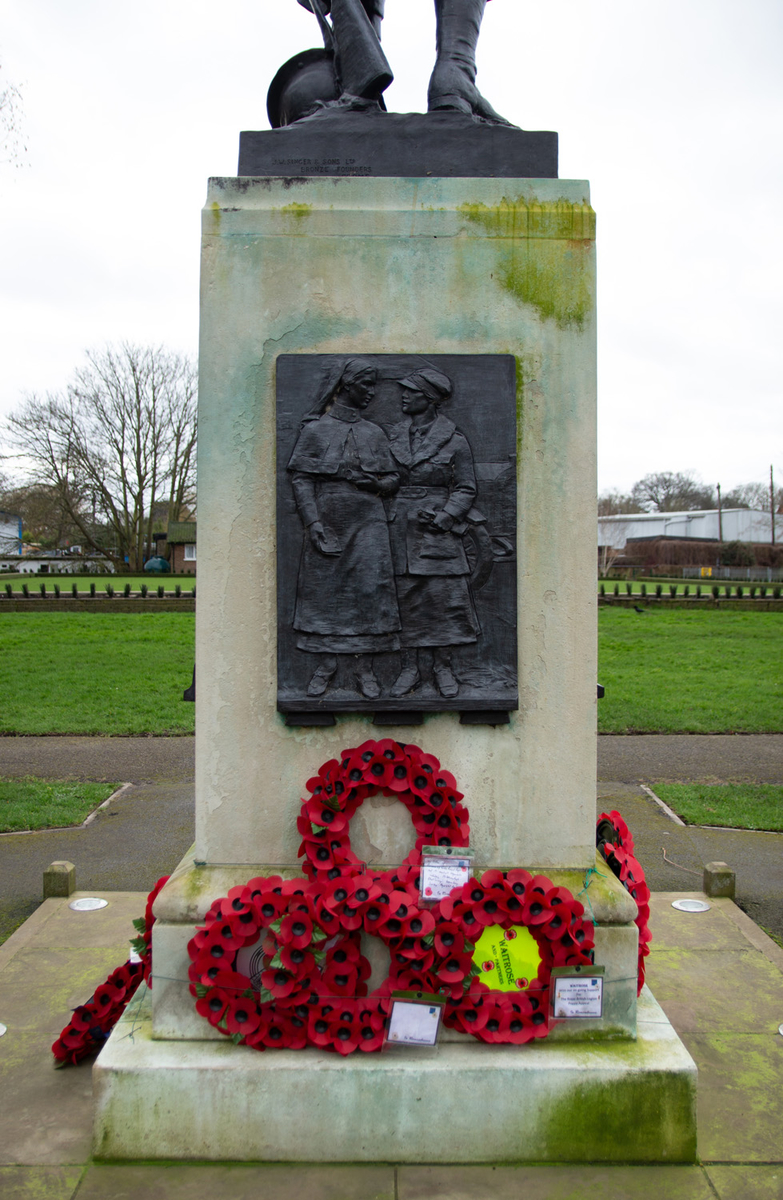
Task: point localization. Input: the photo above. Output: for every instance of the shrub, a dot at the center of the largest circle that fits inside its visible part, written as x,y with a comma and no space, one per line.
57,590
92,589
763,592
776,593
643,590
25,591
672,590
9,591
659,589
126,591
715,590
686,591
75,591
739,592
143,591
603,589
698,591
178,590
193,592
727,590
109,590
753,593
617,589
629,589
42,589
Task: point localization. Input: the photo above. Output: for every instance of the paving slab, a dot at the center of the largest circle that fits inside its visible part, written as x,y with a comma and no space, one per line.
553,1183
39,1183
740,1096
705,991
762,1182
712,930
47,967
131,1181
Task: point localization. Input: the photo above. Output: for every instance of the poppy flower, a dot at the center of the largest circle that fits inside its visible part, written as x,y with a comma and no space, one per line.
242,1016
371,1029
278,981
318,813
401,906
449,938
213,1005
300,963
296,930
323,784
535,910
344,1033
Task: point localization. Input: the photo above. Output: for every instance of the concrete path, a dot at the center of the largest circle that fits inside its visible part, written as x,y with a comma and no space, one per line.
55,960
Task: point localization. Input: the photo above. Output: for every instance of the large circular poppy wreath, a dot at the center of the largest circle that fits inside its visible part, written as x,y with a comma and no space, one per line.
278,963
616,847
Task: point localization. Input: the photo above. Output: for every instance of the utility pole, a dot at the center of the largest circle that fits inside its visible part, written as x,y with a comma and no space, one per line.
772,502
720,528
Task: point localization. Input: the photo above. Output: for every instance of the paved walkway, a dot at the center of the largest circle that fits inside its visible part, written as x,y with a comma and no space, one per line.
57,957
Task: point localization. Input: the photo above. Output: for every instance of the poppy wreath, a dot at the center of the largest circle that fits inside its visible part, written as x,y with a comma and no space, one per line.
417,779
308,985
92,1022
615,845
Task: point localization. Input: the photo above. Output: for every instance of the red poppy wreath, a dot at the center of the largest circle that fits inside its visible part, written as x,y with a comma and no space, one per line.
278,963
92,1022
616,847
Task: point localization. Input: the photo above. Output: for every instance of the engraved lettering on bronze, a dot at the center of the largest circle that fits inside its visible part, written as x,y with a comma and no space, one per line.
396,533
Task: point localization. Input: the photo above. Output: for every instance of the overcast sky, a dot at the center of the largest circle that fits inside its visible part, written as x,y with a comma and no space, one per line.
673,109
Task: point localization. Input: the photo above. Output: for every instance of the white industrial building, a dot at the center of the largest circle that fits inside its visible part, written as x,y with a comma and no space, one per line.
10,534
712,524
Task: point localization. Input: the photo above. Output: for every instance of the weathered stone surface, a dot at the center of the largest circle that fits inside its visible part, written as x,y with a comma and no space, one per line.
607,1103
59,879
552,1183
719,880
740,1095
381,266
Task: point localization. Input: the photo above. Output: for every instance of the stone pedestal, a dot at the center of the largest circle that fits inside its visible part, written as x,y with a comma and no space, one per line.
370,266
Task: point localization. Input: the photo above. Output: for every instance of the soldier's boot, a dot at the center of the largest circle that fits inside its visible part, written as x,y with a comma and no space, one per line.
453,82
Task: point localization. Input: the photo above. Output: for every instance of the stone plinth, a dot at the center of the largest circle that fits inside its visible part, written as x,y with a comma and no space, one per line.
628,1102
386,266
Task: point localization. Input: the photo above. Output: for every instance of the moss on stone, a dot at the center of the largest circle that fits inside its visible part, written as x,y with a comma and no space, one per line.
544,256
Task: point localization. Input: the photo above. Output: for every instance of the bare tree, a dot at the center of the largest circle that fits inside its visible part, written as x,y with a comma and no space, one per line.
614,503
120,439
13,145
752,495
669,491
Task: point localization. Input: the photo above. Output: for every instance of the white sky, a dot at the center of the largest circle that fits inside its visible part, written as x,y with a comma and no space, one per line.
673,110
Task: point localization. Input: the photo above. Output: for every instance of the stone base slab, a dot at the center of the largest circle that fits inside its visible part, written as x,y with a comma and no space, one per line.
621,1102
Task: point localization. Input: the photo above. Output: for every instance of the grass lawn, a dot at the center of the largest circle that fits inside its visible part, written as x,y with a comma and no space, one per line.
675,671
89,674
738,806
48,803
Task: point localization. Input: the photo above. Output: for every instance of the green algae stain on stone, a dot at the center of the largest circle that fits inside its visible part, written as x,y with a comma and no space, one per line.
544,255
297,212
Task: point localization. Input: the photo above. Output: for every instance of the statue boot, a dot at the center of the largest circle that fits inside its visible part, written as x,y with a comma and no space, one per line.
453,82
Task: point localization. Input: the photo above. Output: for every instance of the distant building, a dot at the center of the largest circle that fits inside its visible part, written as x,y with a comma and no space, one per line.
730,525
181,540
10,535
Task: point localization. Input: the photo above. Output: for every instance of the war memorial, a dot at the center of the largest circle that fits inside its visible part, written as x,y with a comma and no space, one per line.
396,662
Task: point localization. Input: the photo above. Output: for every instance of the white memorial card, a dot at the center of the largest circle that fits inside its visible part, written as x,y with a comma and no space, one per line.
413,1024
578,996
441,873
